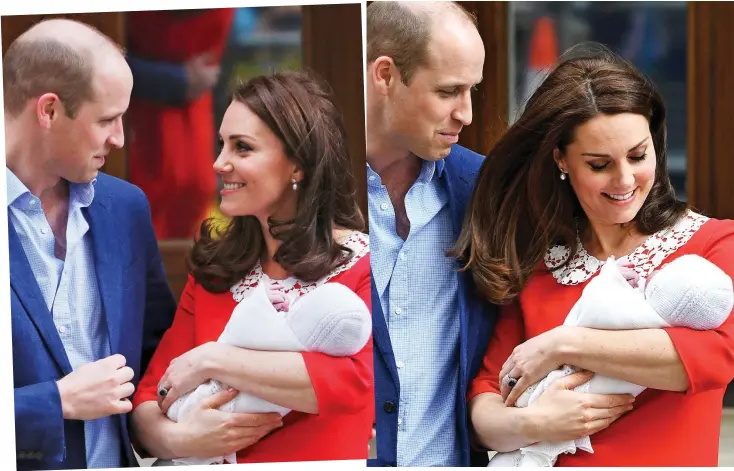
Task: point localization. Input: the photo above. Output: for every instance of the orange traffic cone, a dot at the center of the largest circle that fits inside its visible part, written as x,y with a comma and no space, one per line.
543,55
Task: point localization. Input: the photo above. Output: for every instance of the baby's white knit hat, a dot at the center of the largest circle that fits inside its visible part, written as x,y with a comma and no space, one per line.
691,292
331,319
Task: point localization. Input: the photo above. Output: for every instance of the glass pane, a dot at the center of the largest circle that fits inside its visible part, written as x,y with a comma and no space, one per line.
188,60
651,35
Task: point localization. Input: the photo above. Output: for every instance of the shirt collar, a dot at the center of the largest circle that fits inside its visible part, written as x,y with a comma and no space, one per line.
440,165
80,194
429,170
14,187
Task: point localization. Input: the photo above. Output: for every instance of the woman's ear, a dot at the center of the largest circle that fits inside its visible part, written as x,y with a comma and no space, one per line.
558,157
298,174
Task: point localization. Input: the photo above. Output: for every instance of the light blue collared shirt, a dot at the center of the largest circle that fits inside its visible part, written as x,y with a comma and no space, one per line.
418,289
71,293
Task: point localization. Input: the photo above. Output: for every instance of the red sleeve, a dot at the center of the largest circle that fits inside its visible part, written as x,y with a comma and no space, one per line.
177,340
508,334
708,356
345,384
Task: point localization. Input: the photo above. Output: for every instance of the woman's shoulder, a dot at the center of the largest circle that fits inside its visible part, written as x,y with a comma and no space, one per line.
195,299
356,262
717,227
711,234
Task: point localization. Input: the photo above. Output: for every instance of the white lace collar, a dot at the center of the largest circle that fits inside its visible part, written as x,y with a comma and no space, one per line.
645,258
358,242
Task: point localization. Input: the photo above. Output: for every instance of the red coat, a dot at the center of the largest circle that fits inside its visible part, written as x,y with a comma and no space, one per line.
343,386
171,149
664,428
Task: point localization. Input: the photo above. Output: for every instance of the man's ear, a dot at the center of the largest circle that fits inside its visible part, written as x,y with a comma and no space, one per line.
383,73
48,109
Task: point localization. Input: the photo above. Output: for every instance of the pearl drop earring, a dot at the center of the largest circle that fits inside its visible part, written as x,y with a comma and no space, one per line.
295,184
563,175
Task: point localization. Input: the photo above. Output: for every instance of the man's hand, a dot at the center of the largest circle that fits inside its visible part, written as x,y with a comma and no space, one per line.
97,389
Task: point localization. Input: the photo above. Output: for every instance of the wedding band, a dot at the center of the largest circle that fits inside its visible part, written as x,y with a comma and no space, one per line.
162,391
510,381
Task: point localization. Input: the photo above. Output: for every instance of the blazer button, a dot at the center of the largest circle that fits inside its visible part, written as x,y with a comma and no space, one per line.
389,406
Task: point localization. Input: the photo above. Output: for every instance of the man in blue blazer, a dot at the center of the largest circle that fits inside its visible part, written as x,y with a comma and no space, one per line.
431,329
89,297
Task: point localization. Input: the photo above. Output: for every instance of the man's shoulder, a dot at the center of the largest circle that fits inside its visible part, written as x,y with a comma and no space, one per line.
462,159
118,191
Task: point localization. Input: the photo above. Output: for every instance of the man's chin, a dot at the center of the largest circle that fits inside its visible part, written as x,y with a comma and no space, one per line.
434,155
84,179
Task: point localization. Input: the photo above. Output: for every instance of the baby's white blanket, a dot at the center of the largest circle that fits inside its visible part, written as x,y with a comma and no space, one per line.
340,329
608,302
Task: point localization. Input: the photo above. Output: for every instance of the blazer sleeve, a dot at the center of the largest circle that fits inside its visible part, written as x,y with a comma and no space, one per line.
345,384
39,422
708,355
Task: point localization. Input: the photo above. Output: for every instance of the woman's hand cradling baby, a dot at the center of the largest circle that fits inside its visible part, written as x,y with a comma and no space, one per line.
186,372
562,414
530,361
207,432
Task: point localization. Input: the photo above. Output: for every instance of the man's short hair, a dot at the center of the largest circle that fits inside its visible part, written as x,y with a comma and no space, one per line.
32,67
403,32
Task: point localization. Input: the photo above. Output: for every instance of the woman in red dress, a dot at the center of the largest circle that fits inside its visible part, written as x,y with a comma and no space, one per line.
295,219
580,177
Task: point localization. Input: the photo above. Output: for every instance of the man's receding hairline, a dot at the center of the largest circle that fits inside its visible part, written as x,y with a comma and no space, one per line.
436,16
435,11
87,41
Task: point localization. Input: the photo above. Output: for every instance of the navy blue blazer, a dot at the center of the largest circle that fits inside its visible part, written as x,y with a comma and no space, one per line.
477,320
138,308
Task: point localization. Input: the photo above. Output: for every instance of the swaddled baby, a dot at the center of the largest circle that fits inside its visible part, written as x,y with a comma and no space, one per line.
330,319
688,292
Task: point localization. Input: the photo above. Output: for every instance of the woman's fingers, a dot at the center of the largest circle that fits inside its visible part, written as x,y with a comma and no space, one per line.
608,401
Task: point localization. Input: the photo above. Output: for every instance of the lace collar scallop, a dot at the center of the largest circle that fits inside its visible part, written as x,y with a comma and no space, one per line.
358,242
645,258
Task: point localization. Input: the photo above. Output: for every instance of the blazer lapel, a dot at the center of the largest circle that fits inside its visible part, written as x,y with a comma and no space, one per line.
24,284
458,190
107,267
381,335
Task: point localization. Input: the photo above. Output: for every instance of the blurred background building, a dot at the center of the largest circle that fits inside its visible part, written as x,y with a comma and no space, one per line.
651,35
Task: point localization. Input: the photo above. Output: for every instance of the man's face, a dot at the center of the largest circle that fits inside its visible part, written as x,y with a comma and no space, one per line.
426,116
77,147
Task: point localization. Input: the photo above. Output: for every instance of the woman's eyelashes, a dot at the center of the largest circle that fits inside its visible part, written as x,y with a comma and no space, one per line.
239,146
599,167
242,146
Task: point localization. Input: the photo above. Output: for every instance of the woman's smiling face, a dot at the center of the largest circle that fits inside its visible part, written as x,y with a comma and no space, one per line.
611,166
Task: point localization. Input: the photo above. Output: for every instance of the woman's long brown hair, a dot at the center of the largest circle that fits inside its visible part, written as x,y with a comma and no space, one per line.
520,207
299,109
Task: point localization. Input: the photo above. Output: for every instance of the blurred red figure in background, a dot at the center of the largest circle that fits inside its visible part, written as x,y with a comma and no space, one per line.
172,142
